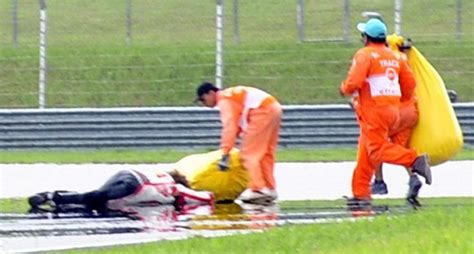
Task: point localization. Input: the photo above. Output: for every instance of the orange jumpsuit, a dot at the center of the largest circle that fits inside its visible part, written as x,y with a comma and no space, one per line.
255,115
375,80
401,133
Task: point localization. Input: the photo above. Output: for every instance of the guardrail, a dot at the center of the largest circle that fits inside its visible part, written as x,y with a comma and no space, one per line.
178,127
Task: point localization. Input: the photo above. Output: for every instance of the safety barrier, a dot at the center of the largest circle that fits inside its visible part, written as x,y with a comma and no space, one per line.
178,127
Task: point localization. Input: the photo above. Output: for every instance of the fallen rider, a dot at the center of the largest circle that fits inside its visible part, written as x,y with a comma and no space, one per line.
123,189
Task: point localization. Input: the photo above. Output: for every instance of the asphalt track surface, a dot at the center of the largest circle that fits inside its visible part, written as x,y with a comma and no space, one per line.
296,181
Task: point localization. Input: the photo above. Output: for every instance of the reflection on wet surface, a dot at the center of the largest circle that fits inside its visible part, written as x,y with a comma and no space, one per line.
39,232
168,218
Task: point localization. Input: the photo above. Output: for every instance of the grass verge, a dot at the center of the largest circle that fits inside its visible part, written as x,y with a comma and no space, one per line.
170,156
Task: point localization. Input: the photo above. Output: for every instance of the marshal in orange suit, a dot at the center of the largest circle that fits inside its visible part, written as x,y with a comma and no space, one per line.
256,116
375,81
401,133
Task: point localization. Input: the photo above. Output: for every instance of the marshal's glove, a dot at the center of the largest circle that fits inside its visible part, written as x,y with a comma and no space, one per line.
224,162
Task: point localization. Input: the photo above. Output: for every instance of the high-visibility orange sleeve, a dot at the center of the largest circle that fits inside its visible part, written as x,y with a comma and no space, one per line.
230,117
357,73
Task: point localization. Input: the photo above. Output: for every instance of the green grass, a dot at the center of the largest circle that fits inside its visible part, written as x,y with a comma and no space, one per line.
170,156
90,64
13,205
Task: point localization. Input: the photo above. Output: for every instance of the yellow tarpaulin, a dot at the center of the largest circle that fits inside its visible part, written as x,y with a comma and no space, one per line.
438,132
202,172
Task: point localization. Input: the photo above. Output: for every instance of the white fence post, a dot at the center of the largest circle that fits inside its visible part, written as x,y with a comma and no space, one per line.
43,67
219,43
236,22
458,19
128,22
398,16
300,19
15,22
346,21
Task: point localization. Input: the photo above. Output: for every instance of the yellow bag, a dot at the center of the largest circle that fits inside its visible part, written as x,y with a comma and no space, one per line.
395,41
438,132
202,173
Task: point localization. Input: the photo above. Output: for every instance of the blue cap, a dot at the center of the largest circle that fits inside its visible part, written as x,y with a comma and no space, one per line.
374,28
